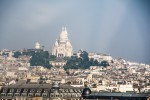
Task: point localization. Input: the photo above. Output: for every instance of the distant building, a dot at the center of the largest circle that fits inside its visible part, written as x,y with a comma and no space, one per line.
11,74
59,62
100,57
37,45
62,46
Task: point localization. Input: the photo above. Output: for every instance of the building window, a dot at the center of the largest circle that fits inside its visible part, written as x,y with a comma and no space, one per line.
39,90
3,94
11,90
18,90
44,95
9,94
5,90
17,94
25,90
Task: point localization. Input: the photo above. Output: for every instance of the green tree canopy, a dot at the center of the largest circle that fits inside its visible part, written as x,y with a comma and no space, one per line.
52,57
40,58
104,63
17,54
81,62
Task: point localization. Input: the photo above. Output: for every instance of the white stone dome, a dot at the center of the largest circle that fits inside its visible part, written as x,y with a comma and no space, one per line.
56,43
37,45
64,35
62,46
68,44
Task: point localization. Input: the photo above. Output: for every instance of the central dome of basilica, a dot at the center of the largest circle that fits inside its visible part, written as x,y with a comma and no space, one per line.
64,35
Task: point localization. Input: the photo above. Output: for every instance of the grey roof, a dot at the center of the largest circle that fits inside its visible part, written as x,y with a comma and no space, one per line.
40,90
43,86
120,94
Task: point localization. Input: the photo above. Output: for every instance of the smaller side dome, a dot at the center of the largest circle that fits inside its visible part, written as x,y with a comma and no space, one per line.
68,44
56,43
86,92
37,45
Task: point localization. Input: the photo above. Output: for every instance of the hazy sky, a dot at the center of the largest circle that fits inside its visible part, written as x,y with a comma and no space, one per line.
120,28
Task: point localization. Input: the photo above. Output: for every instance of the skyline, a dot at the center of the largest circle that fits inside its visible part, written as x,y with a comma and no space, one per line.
118,28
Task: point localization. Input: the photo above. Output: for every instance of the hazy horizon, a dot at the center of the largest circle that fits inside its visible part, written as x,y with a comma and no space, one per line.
120,28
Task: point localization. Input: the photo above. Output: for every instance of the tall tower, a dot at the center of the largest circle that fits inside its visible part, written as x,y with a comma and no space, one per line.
62,46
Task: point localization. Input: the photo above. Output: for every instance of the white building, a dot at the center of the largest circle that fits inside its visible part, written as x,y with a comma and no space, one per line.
126,87
62,46
100,57
11,74
37,45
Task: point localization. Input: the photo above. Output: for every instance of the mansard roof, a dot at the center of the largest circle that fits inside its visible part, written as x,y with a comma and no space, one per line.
42,90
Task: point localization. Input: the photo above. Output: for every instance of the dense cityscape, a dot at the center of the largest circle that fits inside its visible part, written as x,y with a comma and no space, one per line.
33,72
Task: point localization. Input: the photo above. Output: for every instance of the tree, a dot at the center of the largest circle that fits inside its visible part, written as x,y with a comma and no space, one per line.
40,58
104,63
52,57
84,56
94,62
17,54
81,62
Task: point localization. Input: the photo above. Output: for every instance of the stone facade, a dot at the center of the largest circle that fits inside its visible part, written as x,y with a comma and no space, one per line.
62,46
37,45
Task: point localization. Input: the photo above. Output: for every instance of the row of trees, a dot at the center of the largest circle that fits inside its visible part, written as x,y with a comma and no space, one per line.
38,58
83,62
42,58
